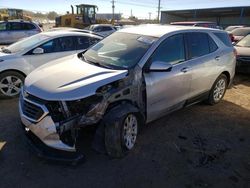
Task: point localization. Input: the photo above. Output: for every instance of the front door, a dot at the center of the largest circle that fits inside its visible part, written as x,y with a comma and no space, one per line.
53,49
167,91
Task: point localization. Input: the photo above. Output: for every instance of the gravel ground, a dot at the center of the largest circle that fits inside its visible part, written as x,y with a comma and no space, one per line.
199,146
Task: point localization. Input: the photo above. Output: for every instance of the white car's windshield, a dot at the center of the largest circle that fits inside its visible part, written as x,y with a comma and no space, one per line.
119,50
26,43
245,42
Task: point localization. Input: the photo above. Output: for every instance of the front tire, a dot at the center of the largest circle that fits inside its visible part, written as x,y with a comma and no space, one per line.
218,90
10,84
121,131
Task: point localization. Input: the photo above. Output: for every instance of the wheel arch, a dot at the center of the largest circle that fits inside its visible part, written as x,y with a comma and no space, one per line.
14,70
227,74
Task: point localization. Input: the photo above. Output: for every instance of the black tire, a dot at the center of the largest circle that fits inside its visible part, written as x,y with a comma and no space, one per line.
114,130
212,100
15,76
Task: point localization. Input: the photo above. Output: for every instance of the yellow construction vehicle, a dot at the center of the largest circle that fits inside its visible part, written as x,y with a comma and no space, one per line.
85,16
12,14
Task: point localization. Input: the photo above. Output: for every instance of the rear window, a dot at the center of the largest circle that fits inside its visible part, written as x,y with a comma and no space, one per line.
198,44
28,26
241,31
224,37
212,45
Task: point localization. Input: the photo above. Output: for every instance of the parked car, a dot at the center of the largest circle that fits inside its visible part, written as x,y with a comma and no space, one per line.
74,30
12,31
243,55
103,29
19,59
197,24
240,33
232,27
130,78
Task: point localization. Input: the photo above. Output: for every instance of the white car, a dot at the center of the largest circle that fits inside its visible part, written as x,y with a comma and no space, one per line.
19,59
103,29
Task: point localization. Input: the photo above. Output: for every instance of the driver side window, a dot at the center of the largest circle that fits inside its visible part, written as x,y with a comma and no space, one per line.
61,44
172,50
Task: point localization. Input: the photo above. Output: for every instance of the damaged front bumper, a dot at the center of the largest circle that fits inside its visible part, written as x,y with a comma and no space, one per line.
42,133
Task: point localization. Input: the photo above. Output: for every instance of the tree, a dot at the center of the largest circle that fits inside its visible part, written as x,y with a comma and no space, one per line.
52,15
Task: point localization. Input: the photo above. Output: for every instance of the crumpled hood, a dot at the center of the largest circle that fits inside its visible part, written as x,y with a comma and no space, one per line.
69,78
243,51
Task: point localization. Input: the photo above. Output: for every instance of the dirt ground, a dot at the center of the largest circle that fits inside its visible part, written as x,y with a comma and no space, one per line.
199,146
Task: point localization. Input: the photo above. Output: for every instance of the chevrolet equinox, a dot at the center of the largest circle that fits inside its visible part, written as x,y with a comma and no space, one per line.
130,78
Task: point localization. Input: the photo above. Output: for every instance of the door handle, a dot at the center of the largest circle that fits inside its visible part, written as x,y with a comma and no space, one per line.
217,58
185,69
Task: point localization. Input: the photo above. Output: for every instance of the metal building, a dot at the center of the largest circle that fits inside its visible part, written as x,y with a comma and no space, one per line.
222,16
108,16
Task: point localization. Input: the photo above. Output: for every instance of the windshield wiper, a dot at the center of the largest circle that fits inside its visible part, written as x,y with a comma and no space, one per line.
5,50
97,63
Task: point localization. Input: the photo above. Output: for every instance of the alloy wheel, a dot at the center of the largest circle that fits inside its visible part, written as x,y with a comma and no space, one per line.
130,129
219,90
10,85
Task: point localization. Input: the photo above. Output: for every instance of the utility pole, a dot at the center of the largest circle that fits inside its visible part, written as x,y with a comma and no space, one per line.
113,9
149,15
159,9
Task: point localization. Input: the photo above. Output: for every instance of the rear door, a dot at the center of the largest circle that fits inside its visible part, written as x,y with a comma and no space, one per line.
29,29
203,60
16,31
53,49
5,36
167,91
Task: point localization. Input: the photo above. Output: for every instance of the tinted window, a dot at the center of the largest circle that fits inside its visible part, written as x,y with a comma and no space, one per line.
212,45
224,37
198,44
3,26
28,26
82,43
172,50
59,45
106,28
119,50
15,26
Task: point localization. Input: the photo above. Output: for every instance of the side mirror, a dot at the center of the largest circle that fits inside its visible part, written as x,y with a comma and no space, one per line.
38,51
159,66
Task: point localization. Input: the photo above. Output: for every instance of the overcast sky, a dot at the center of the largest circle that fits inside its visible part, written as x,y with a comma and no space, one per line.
140,8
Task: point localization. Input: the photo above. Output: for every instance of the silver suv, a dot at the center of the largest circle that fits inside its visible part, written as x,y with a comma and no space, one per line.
14,30
130,78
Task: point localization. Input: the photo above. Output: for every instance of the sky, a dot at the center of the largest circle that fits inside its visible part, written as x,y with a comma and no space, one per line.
140,8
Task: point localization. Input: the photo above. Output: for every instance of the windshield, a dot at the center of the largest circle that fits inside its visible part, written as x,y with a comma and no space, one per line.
245,42
119,50
26,43
241,31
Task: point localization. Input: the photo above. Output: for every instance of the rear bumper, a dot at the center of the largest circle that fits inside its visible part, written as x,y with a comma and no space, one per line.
46,152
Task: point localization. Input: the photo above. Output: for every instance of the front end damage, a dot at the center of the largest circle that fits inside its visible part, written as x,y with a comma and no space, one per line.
56,123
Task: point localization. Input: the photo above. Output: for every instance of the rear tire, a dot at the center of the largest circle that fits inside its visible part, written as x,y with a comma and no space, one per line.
10,84
218,90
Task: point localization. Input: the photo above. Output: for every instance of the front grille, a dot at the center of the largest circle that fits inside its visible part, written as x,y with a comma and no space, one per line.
55,111
32,111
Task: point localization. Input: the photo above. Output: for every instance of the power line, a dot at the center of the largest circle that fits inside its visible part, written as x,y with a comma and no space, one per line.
159,9
113,9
